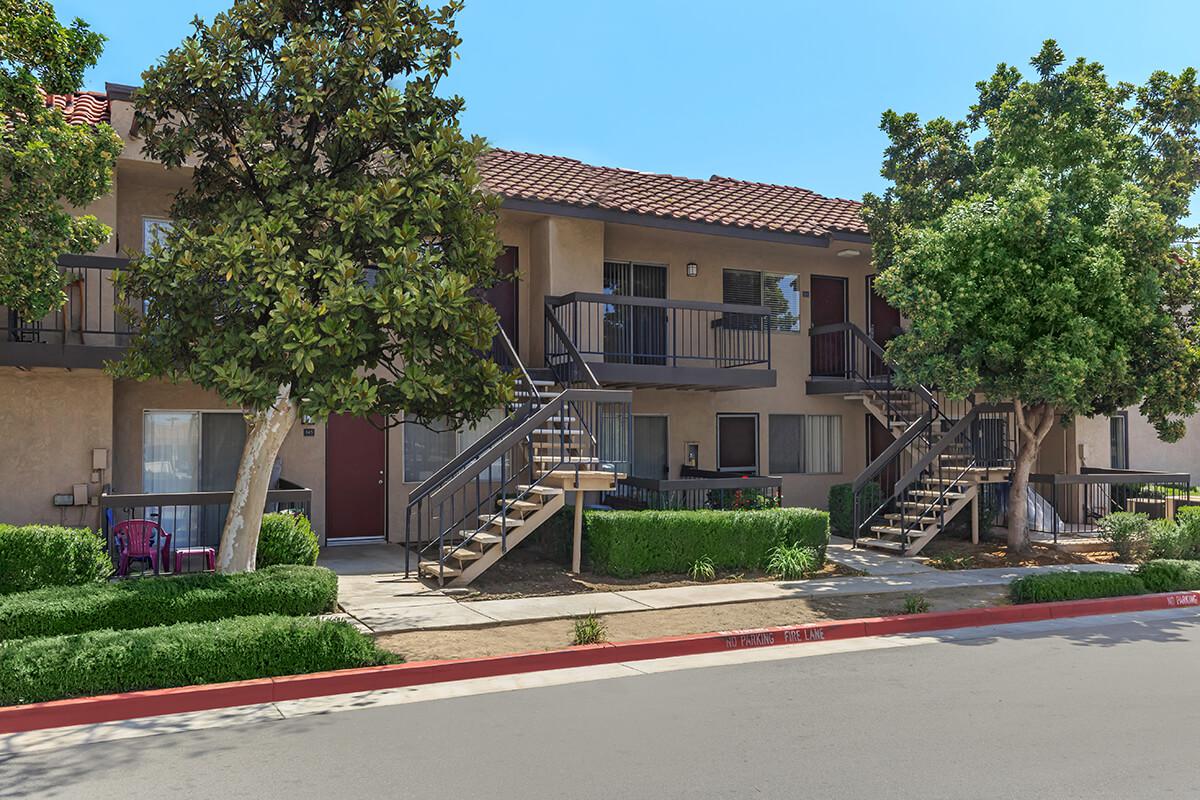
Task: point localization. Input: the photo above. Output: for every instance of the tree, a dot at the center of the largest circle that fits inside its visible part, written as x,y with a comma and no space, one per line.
1034,247
43,158
327,254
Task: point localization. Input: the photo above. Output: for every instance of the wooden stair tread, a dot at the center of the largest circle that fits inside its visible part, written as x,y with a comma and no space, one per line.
462,553
519,505
501,521
542,490
882,544
433,569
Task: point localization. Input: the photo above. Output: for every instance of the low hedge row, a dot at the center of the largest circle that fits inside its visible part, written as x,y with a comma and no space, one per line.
1074,586
105,661
35,556
285,590
1160,575
630,543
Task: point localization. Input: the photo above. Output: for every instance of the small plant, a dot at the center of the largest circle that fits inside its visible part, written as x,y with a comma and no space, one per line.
792,561
590,630
1127,532
951,561
916,604
703,570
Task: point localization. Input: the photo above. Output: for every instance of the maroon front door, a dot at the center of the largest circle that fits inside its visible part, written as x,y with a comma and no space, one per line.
503,296
829,350
355,479
883,322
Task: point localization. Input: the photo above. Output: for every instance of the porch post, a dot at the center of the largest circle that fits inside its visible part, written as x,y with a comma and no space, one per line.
975,517
577,544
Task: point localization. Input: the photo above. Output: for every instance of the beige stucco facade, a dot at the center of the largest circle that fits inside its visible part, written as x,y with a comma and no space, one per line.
53,419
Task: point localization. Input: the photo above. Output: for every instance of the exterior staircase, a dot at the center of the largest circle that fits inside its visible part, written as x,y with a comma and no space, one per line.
942,455
557,437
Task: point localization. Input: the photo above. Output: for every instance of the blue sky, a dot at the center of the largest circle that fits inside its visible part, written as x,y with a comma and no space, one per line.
781,92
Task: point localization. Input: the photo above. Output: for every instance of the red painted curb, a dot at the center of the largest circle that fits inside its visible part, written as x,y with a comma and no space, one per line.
154,702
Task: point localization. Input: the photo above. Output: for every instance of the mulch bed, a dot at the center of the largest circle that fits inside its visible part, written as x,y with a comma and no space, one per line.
526,573
956,554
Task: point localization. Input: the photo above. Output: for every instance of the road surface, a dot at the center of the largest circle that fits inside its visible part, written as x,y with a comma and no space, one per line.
1110,710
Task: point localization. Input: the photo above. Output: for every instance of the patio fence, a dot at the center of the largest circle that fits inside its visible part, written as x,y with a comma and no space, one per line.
731,493
1072,505
194,520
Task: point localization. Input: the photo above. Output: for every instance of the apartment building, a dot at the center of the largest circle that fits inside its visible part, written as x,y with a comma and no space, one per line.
738,317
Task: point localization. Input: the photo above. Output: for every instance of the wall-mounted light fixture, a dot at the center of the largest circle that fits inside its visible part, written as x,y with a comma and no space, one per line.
849,252
693,269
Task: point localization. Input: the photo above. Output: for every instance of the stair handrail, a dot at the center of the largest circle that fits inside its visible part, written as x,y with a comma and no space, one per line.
902,443
572,352
511,351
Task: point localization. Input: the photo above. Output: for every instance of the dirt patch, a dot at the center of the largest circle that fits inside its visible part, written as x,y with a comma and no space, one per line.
954,554
630,626
529,574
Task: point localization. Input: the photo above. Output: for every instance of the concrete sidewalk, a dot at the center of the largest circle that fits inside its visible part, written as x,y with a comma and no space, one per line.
390,603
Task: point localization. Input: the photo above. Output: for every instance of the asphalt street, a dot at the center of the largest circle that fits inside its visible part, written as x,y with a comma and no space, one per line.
1108,711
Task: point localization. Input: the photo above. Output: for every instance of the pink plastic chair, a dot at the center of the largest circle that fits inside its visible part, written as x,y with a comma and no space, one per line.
135,540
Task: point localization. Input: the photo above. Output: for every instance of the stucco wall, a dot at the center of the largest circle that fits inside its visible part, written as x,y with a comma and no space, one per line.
1147,451
50,422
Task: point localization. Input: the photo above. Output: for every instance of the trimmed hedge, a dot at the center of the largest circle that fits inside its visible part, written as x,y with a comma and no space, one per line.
841,505
1167,575
190,653
286,539
146,602
37,556
1074,586
629,543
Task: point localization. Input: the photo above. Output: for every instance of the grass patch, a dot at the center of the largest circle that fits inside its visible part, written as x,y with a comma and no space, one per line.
150,602
703,570
190,653
792,562
916,604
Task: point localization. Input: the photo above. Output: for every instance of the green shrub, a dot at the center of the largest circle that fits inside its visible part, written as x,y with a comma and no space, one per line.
915,604
1178,539
1127,532
589,630
703,570
841,505
791,562
103,662
629,543
146,602
286,539
1074,586
1165,575
36,556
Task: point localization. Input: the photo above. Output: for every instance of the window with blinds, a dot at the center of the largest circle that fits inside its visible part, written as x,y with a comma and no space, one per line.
778,292
809,444
737,442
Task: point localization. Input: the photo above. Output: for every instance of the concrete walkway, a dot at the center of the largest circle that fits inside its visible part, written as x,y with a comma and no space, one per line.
390,603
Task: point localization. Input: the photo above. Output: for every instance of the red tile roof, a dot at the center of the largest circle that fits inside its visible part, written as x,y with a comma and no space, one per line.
716,201
81,108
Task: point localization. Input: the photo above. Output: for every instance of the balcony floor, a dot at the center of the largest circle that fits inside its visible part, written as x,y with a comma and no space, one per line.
662,376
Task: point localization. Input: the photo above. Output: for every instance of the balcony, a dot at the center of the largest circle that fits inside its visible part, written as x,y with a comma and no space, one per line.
84,333
650,342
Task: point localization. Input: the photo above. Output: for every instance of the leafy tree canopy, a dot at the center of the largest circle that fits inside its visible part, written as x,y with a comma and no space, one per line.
45,160
334,237
1035,245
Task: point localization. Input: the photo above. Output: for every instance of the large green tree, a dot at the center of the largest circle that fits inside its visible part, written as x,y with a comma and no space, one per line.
328,253
44,160
1035,249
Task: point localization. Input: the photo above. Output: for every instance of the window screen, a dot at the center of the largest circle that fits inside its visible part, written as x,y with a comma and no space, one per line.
737,442
785,434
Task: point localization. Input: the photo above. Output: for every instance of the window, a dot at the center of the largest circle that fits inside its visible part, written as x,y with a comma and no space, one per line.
737,442
428,449
809,444
154,231
780,293
1118,441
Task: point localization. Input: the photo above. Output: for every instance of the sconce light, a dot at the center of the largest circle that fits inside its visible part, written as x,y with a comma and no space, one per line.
693,269
849,252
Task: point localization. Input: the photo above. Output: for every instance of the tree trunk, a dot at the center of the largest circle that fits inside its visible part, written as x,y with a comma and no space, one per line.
1033,423
264,437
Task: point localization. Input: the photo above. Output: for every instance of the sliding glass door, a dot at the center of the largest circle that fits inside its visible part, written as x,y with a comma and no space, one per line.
635,334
